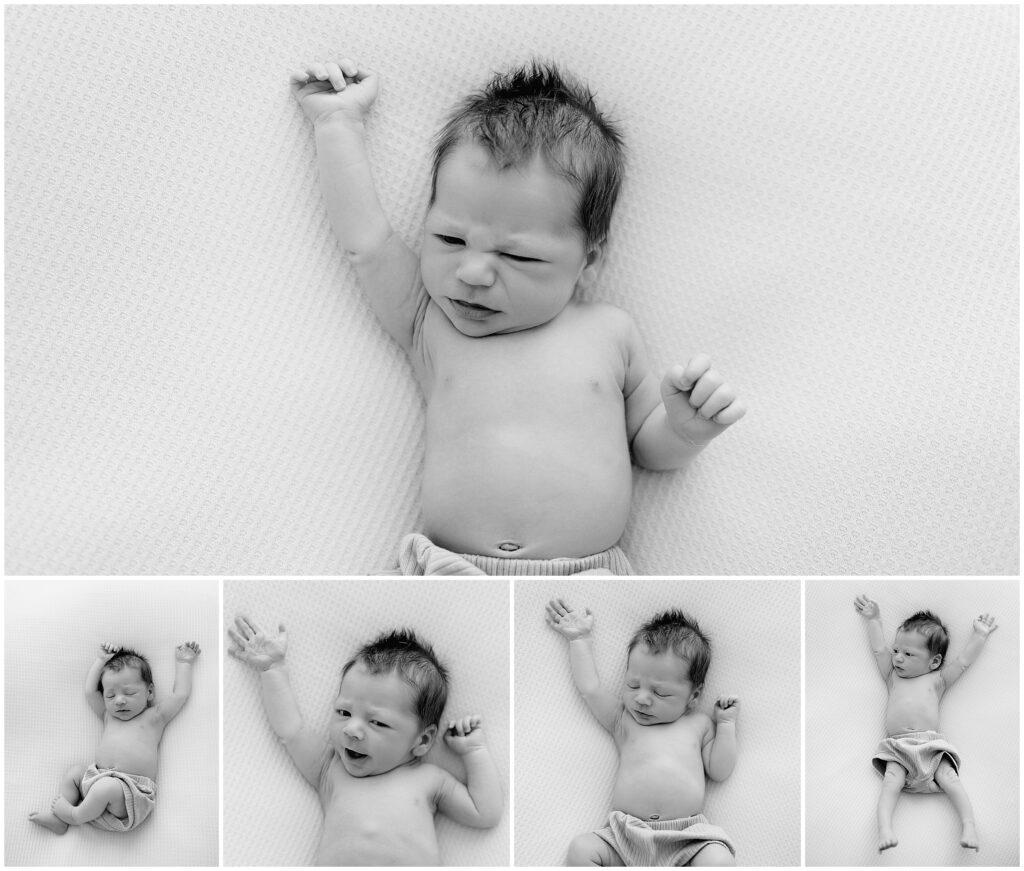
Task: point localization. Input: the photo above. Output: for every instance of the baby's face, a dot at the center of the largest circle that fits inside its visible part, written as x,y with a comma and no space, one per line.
910,656
125,694
374,728
658,686
501,249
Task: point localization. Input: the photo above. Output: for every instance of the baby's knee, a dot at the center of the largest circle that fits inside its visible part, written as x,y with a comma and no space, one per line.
75,773
713,856
586,849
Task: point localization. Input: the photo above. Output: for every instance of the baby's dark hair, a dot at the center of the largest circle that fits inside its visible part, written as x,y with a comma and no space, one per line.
400,651
538,109
931,627
679,632
127,658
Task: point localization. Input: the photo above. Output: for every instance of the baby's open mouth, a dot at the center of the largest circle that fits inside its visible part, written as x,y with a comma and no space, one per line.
351,754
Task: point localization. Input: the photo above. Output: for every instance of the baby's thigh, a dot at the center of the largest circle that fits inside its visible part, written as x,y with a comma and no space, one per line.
591,849
946,776
712,854
109,791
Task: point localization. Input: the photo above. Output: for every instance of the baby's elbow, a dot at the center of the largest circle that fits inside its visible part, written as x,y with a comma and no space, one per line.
488,818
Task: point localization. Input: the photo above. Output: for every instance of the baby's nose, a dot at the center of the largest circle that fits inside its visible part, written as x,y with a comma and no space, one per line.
353,731
476,270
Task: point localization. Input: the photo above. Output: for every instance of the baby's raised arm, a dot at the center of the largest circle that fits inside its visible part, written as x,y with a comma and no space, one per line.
265,653
983,626
576,627
337,97
93,693
719,751
872,614
184,658
478,802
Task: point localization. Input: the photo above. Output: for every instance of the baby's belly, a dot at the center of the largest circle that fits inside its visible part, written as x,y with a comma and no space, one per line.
669,792
388,840
527,491
901,718
128,760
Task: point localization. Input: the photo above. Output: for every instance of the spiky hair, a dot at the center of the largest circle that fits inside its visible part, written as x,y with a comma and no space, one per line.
538,109
677,631
931,627
399,651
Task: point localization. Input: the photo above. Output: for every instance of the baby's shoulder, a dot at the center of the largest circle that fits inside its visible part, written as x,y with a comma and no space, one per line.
698,721
603,312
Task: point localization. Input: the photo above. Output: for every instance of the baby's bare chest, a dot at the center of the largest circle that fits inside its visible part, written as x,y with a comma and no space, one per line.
527,372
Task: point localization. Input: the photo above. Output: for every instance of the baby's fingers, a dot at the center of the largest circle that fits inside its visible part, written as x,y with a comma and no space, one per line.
691,372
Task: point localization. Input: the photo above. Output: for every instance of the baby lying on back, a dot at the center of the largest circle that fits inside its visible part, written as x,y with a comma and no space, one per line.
536,400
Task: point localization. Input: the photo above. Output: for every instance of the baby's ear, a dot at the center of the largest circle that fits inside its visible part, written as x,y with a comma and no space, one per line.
936,662
425,741
695,694
591,267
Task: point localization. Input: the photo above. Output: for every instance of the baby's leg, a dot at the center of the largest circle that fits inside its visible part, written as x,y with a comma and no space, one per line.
892,784
106,794
949,780
712,854
70,792
591,849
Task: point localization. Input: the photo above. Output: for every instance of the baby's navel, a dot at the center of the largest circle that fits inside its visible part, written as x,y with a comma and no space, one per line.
509,546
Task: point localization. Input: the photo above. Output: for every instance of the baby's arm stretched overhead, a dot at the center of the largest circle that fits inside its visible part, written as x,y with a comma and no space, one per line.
184,657
337,97
576,627
265,653
93,693
953,669
872,614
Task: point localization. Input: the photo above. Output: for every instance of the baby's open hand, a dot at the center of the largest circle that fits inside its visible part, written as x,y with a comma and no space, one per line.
254,647
866,607
727,709
186,652
569,623
329,89
464,734
985,624
107,651
700,404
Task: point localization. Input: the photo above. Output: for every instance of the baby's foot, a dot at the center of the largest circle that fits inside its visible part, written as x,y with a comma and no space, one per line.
62,809
886,839
969,836
47,820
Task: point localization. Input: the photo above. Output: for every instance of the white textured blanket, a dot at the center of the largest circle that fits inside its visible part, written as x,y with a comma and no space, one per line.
271,815
824,198
565,761
52,630
980,716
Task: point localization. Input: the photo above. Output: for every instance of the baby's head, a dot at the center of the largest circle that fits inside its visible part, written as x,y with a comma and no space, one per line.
525,178
126,683
667,662
920,646
392,695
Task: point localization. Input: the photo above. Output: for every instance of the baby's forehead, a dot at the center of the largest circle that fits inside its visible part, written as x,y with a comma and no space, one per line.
642,660
127,674
360,681
913,637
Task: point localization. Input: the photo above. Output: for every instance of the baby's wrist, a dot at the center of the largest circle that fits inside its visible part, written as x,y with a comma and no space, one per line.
339,121
275,665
